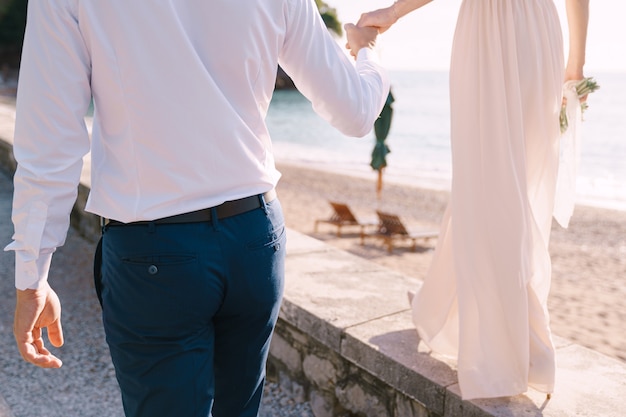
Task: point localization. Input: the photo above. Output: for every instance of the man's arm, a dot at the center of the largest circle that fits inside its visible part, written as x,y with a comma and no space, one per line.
349,98
50,141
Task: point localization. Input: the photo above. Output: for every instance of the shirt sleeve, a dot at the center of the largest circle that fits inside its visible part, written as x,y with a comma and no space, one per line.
348,96
50,136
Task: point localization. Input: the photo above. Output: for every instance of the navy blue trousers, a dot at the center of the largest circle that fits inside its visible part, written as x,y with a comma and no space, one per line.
189,310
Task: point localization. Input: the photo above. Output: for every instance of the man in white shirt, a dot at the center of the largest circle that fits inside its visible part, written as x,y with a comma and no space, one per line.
193,244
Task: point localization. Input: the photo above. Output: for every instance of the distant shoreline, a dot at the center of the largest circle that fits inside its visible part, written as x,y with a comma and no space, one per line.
435,185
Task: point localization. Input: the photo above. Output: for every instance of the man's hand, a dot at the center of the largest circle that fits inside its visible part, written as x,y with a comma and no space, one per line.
34,311
359,37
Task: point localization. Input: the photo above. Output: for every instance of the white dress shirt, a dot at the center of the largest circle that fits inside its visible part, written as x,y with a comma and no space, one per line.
180,90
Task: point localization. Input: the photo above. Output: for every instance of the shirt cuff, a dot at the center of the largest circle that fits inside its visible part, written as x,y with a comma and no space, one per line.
367,54
31,274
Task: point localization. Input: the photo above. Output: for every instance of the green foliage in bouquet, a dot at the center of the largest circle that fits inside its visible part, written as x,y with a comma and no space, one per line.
583,88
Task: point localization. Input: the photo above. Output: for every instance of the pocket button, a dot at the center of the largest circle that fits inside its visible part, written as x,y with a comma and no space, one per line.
152,269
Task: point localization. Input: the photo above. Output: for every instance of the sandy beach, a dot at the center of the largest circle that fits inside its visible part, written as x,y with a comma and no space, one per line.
588,296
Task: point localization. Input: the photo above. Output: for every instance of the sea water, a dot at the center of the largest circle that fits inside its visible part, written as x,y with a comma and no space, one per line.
419,138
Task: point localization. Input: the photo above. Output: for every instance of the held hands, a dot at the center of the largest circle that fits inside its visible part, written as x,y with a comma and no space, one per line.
34,311
359,37
382,19
368,27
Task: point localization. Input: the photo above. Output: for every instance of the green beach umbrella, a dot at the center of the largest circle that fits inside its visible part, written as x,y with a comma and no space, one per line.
380,151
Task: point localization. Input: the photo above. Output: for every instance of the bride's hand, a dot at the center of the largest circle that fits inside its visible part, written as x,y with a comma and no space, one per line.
382,19
575,74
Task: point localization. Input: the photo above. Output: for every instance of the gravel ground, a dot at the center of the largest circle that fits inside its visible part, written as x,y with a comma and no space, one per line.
279,403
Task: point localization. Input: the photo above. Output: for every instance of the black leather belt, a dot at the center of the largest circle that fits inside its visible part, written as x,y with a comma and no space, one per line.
226,209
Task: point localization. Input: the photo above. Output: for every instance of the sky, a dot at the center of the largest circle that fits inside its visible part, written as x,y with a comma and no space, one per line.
423,39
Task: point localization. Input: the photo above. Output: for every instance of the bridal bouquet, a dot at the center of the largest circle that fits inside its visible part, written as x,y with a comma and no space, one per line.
582,88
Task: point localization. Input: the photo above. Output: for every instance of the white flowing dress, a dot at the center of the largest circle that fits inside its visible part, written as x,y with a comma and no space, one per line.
484,298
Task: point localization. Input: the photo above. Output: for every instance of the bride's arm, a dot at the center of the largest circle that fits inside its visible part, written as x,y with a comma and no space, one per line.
384,18
577,21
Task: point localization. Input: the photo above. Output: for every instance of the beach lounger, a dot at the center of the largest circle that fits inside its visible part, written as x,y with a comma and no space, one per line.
343,216
391,228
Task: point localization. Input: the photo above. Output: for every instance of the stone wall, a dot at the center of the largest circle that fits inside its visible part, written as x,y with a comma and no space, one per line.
346,343
335,386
